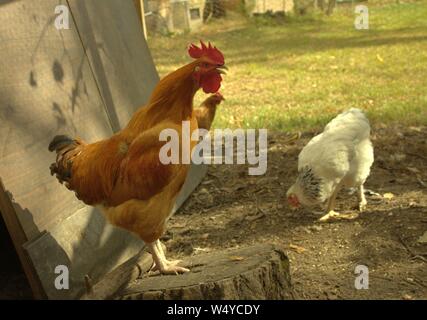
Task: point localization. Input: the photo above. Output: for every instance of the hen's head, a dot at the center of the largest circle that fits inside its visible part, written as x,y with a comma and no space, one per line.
308,190
209,66
293,200
214,99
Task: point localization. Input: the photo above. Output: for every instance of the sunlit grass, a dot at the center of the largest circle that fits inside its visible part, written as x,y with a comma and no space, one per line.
297,74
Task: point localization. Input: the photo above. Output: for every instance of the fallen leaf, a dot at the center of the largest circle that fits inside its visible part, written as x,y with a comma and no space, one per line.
292,138
255,217
316,228
398,157
237,258
388,195
413,204
371,193
421,182
413,170
180,225
423,238
417,129
297,249
380,59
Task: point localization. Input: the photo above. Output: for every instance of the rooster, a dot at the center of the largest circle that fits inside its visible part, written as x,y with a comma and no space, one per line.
339,157
123,175
205,114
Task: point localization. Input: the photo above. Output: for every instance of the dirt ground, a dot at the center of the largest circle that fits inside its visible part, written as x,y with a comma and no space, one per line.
231,208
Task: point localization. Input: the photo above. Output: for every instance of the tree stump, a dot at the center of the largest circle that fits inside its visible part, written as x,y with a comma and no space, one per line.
257,272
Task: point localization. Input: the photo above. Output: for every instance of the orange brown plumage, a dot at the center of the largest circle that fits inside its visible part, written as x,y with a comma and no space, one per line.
123,174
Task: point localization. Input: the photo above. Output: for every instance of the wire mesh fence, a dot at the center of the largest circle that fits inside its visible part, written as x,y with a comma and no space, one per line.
176,16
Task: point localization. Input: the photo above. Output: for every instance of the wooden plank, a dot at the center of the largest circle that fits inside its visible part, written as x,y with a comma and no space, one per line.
87,245
46,88
18,236
118,54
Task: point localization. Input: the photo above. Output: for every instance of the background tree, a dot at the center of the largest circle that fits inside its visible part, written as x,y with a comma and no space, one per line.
213,9
331,7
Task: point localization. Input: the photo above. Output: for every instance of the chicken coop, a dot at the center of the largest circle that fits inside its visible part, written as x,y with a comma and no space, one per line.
167,16
85,76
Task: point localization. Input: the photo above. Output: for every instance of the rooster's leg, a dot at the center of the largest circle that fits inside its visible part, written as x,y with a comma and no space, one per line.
163,265
162,253
362,199
330,213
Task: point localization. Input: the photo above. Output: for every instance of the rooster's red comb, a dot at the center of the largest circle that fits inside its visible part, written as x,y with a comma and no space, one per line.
211,52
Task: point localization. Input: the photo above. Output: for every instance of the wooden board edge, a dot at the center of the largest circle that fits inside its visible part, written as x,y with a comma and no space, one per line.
195,175
19,239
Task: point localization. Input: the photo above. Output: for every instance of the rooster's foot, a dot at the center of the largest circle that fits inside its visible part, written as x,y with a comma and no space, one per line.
166,262
170,267
161,264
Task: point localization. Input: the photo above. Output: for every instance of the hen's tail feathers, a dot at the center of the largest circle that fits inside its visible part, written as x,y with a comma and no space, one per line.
66,149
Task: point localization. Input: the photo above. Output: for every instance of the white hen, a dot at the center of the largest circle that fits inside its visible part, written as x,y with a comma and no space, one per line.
341,156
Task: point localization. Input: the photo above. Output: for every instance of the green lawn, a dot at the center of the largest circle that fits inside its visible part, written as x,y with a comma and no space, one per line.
298,74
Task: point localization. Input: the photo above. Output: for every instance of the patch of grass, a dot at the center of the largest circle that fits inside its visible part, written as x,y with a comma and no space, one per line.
298,74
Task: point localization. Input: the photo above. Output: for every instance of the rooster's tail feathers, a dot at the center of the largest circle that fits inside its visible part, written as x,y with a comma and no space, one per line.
66,150
59,142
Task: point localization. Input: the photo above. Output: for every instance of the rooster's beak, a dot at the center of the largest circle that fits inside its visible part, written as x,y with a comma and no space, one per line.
222,69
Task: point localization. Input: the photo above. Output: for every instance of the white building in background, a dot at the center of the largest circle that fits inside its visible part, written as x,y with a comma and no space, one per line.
173,15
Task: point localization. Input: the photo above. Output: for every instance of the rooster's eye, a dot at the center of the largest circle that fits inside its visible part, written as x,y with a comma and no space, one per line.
205,65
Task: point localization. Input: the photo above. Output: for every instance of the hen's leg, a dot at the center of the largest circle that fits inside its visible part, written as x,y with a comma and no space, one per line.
330,213
163,265
362,199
